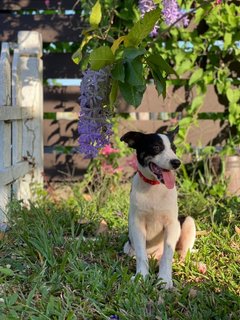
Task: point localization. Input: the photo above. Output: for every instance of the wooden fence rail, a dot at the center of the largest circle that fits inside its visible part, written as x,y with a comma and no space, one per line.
21,119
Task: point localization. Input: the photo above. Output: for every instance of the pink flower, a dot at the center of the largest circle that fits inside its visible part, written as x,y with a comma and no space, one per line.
107,149
47,3
108,168
132,162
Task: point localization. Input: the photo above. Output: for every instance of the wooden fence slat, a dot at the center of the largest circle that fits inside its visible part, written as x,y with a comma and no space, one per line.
64,167
60,65
62,132
52,27
175,101
39,4
29,69
13,173
61,98
65,98
65,133
5,128
199,135
16,113
17,127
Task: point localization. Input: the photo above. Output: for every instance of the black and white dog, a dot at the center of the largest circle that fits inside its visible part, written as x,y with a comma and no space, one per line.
155,229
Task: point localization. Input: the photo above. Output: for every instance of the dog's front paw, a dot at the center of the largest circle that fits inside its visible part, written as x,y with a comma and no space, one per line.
166,282
140,275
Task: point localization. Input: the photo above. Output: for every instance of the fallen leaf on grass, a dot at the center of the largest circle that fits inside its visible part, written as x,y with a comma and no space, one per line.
202,232
202,268
83,221
237,230
2,235
87,197
103,227
192,293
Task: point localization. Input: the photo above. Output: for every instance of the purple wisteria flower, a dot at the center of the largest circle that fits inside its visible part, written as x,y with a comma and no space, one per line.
94,125
172,12
146,6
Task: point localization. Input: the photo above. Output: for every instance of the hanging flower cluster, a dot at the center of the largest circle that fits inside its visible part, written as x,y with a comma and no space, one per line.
146,6
172,12
94,125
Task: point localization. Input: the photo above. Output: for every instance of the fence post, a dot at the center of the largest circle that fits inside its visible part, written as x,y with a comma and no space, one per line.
28,76
5,127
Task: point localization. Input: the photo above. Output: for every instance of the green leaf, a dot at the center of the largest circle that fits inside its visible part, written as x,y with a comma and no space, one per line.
160,83
197,75
132,53
96,15
117,43
234,109
77,56
134,73
142,28
12,299
227,40
6,271
101,57
157,60
185,66
132,94
118,72
196,103
113,93
233,95
199,14
159,80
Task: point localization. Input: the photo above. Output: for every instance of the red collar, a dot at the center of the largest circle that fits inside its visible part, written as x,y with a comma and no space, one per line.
152,182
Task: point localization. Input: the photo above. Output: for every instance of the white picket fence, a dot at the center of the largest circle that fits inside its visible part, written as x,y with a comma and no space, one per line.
21,118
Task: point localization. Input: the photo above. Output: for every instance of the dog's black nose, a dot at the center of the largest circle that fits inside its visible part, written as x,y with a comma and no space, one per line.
175,163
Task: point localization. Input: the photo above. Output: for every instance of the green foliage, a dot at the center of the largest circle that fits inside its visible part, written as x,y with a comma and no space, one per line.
142,28
126,54
206,53
101,57
96,15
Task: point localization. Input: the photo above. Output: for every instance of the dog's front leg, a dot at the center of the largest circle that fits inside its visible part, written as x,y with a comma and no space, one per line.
171,236
138,237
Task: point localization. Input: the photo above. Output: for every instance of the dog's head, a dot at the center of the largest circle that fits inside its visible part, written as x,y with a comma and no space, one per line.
155,154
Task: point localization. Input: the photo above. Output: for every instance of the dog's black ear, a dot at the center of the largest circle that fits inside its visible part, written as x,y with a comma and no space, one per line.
161,129
132,138
171,134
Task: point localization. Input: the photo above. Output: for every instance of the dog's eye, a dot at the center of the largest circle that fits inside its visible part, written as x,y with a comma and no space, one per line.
157,148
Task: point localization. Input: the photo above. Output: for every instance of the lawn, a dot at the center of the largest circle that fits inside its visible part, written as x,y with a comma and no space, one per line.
55,263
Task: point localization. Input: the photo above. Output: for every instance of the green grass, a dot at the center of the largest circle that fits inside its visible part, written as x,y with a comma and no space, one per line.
53,266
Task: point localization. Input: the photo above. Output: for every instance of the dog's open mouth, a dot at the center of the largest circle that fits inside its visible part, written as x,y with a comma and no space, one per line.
163,175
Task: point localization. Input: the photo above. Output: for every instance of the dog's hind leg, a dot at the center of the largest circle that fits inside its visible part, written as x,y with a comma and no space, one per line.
187,236
128,249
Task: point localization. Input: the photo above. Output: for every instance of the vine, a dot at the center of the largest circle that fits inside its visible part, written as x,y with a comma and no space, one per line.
121,38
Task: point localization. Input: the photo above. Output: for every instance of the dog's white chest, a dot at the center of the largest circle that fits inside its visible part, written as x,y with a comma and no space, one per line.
153,200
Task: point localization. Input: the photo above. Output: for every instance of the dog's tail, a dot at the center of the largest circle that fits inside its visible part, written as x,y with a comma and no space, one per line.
187,236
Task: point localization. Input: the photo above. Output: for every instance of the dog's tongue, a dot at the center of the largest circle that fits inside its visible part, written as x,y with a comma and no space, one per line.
169,179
